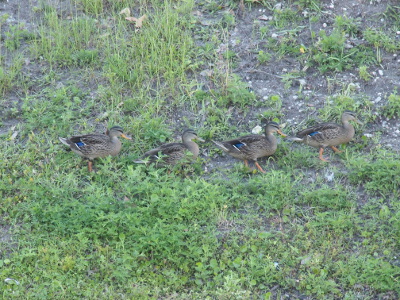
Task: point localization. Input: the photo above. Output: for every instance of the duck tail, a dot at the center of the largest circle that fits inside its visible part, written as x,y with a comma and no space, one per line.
294,139
140,161
64,141
220,145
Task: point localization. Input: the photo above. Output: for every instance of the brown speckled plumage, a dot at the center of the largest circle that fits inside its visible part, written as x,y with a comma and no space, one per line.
251,147
91,146
172,153
329,134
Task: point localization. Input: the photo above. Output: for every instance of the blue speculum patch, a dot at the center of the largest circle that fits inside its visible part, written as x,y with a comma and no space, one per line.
80,144
313,133
239,145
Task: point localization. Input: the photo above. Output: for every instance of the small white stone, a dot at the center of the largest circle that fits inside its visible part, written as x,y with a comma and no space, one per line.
380,72
368,135
284,70
256,130
378,99
329,175
324,25
274,36
295,97
398,32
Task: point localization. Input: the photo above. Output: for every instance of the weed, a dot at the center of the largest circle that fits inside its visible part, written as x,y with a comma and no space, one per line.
236,92
363,73
284,17
263,57
84,57
348,25
380,39
287,44
393,107
8,75
15,36
313,5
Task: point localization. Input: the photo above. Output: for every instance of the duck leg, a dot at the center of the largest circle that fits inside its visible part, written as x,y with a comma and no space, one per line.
321,151
90,163
336,149
246,163
259,167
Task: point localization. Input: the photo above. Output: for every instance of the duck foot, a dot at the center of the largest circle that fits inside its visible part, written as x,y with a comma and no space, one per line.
259,167
90,164
321,151
336,149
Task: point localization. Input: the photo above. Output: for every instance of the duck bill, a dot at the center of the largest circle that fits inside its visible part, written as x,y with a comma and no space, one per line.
281,133
200,139
126,137
359,122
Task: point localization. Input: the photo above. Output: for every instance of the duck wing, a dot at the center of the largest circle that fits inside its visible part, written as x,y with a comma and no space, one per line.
320,132
86,144
166,149
240,144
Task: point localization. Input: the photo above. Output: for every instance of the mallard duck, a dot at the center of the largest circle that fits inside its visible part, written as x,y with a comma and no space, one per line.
251,147
170,154
328,134
91,146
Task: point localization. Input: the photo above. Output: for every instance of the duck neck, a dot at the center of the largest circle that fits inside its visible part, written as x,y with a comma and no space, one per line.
270,137
348,127
116,144
192,147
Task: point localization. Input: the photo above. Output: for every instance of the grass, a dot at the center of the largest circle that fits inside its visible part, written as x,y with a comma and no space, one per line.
136,232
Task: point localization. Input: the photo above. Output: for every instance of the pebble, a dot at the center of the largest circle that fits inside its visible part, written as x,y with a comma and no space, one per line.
380,72
302,81
324,25
378,99
329,175
256,130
